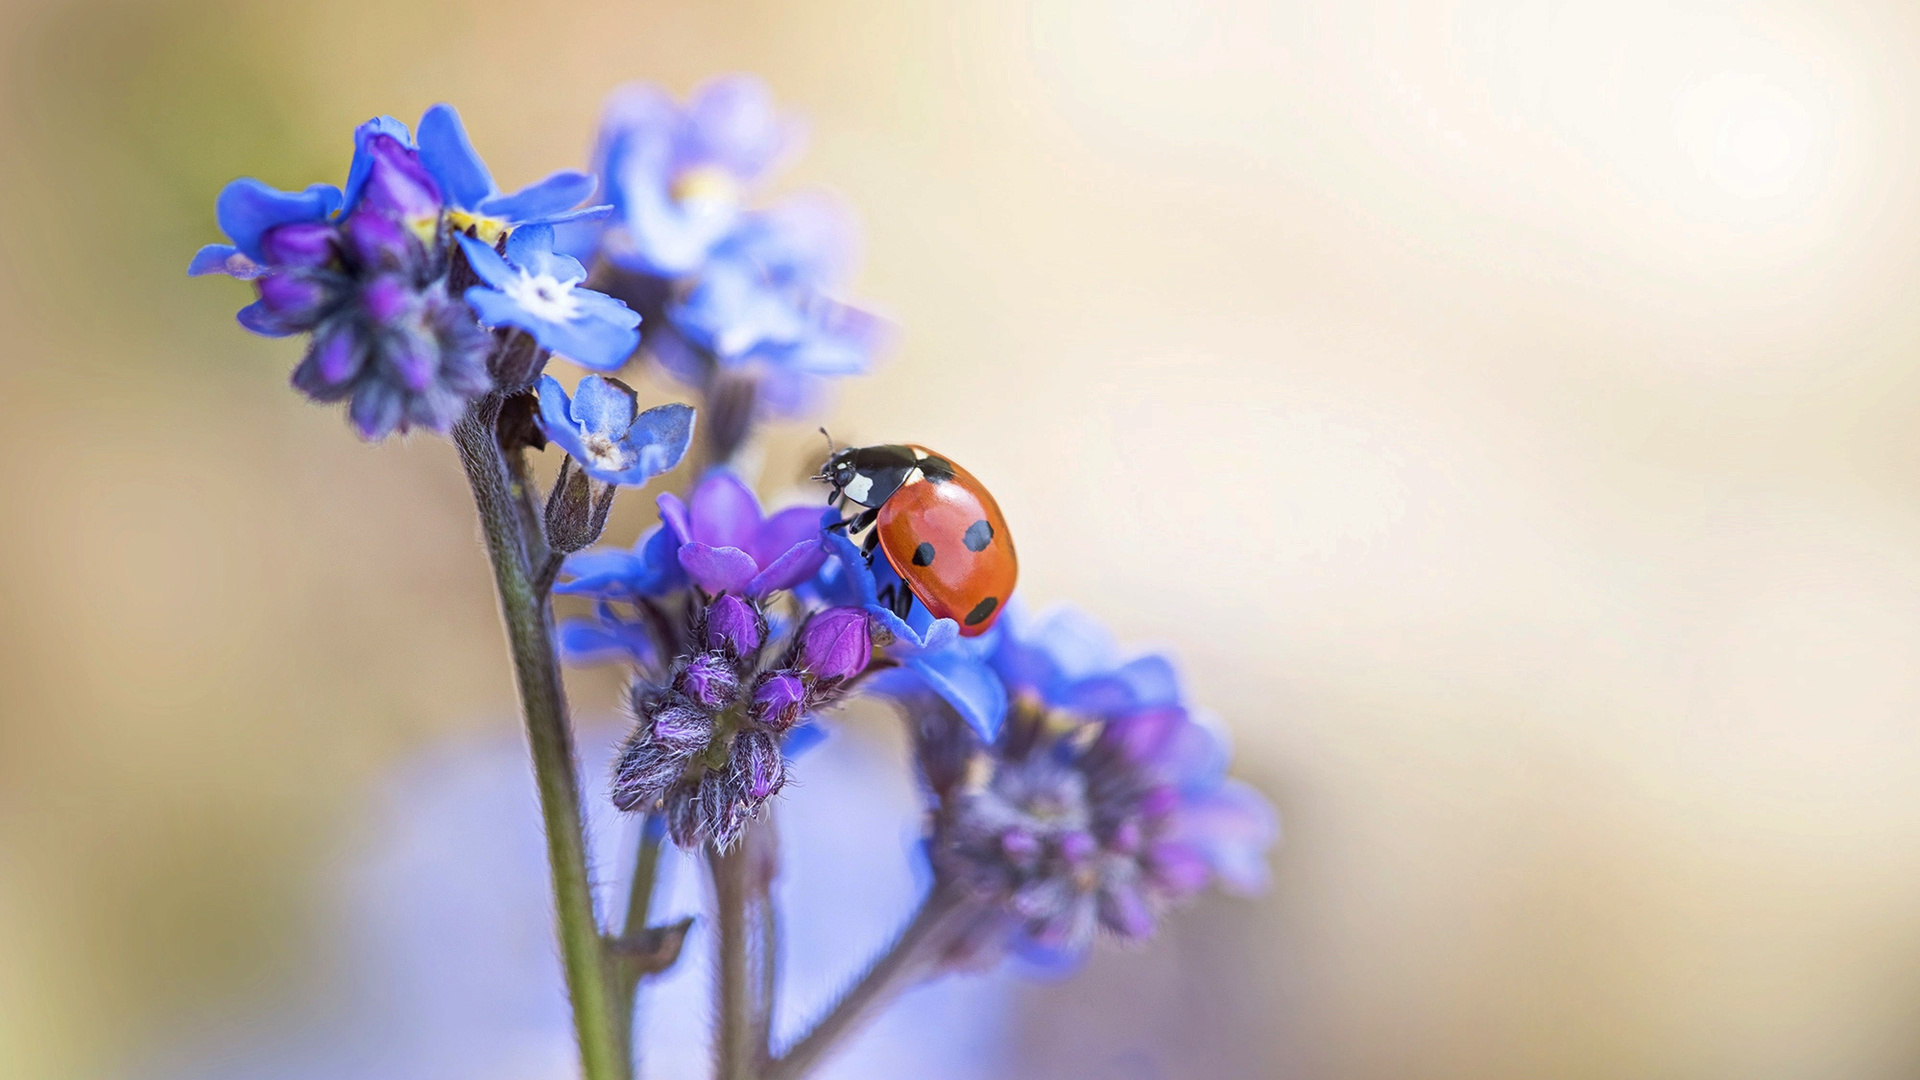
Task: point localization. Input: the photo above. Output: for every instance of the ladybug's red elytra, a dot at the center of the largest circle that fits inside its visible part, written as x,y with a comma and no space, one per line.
939,528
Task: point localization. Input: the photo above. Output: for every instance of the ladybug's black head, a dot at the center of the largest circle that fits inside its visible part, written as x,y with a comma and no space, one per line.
839,469
867,475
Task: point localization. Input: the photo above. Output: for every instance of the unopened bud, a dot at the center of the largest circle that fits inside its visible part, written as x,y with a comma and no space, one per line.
779,699
735,627
836,644
575,515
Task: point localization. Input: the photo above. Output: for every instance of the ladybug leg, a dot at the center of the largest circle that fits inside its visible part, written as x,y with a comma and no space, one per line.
896,598
858,522
867,547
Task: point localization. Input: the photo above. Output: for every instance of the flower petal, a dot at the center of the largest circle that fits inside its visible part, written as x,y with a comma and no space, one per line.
486,263
782,530
224,259
717,569
554,195
530,247
968,685
674,513
796,565
724,512
604,407
556,417
662,434
247,208
362,166
449,155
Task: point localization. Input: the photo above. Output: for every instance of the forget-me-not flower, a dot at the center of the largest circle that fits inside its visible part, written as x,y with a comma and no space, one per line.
679,176
538,290
601,427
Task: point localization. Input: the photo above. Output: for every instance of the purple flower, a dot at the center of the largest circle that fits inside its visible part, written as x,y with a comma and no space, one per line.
364,274
679,176
780,699
538,291
726,546
1104,802
475,202
603,429
1071,833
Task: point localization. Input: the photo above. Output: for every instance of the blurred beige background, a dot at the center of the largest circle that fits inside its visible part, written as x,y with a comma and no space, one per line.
1505,408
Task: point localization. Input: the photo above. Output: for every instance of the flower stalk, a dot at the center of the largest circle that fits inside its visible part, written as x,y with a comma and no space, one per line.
549,736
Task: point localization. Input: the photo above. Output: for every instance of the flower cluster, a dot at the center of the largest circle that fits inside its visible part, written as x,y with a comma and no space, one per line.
397,279
1069,790
729,665
1102,803
741,300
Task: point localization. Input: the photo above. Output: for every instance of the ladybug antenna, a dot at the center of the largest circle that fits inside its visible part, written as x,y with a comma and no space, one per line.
821,476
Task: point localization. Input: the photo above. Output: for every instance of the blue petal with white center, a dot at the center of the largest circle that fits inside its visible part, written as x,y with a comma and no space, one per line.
537,290
602,428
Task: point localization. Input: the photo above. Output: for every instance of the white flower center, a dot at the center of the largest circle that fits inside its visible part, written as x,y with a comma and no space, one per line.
544,297
604,453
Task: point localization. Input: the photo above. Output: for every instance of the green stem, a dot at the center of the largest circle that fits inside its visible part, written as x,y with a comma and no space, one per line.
543,703
905,962
626,990
734,1054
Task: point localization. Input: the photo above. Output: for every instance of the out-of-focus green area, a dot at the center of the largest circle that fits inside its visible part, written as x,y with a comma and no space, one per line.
1505,409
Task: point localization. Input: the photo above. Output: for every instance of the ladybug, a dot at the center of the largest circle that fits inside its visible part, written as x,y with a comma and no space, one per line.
939,528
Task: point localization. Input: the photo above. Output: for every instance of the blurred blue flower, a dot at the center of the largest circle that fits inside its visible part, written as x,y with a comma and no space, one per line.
603,429
474,200
763,307
679,176
537,290
247,210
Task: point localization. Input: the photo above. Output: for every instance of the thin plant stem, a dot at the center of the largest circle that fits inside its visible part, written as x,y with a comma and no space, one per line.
626,990
550,737
903,963
735,1057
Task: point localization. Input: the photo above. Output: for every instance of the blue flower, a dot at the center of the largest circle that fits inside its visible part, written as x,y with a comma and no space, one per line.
602,427
763,307
651,569
538,291
475,202
678,176
1071,662
930,652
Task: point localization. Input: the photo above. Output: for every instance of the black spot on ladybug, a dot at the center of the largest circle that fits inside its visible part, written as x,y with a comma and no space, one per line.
923,555
981,610
937,470
979,535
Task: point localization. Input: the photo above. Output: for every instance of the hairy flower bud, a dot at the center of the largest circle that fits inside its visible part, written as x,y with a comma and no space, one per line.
756,755
780,699
735,627
575,516
836,644
709,680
